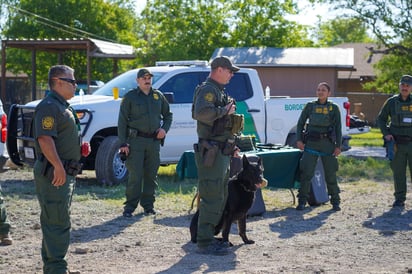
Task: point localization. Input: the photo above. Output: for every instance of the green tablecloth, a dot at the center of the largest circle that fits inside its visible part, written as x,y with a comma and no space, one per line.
280,166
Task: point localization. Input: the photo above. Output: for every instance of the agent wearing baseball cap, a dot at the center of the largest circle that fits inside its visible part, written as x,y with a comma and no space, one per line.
211,108
399,109
144,120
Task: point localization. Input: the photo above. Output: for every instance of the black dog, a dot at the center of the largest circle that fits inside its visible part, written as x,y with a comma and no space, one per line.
241,193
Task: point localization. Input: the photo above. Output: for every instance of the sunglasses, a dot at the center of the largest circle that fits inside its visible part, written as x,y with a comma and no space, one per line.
68,80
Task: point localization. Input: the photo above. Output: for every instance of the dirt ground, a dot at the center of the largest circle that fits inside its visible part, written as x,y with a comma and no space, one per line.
367,236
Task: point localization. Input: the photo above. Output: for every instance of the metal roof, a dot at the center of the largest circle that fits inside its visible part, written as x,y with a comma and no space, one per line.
93,47
97,48
342,58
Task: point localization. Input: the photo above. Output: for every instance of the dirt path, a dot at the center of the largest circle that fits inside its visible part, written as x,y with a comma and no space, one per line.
367,236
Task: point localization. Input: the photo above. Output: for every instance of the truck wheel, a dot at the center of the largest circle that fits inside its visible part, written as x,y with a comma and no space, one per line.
291,140
110,170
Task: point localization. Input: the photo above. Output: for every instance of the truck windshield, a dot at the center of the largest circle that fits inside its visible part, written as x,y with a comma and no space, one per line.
124,82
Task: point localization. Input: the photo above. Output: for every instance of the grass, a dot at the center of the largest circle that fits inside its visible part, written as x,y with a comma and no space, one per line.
372,138
177,191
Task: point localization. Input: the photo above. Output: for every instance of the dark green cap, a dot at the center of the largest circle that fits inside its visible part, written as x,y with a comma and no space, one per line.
224,62
406,79
142,72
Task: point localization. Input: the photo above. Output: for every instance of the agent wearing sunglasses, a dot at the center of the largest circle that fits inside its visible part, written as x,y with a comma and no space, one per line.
58,151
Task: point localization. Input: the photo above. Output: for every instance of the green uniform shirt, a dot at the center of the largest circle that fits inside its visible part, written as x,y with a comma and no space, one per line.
145,113
54,117
322,118
395,116
209,105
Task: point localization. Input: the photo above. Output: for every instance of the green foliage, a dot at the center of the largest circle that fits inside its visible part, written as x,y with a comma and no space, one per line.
372,138
352,169
97,19
343,30
391,23
389,71
193,29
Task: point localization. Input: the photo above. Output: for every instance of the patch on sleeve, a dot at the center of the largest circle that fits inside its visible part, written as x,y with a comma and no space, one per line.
47,123
209,97
155,96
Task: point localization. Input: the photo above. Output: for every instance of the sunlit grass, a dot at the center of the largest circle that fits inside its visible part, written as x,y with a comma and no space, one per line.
352,169
372,138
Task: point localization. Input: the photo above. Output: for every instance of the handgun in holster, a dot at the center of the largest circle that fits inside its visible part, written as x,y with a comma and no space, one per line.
47,169
208,152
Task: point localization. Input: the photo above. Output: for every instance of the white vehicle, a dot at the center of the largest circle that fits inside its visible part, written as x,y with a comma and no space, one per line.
271,121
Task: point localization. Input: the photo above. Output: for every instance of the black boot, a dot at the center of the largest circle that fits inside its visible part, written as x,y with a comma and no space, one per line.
336,207
301,205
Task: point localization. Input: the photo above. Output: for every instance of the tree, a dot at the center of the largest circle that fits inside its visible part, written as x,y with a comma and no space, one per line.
193,29
343,30
263,23
113,21
391,23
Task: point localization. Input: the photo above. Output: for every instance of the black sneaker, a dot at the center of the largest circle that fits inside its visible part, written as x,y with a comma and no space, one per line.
398,203
149,212
336,207
213,249
300,206
127,214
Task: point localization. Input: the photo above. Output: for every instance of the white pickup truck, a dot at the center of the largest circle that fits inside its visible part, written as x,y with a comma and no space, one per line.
271,120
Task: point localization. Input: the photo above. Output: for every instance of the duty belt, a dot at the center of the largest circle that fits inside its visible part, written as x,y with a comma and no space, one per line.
221,145
134,133
314,136
71,167
403,139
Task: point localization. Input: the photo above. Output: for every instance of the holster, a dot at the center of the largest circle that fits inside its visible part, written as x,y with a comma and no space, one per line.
208,152
47,170
71,167
229,147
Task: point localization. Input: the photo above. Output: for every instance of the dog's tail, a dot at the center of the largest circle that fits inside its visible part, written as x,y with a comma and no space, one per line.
197,199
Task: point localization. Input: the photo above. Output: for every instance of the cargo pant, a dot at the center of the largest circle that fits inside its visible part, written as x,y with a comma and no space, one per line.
213,191
307,168
143,164
402,158
54,219
4,224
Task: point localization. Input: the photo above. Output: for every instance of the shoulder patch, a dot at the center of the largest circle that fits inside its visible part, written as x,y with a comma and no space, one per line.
209,97
47,122
155,96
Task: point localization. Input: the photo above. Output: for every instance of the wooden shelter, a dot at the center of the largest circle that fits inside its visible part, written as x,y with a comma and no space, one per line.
93,47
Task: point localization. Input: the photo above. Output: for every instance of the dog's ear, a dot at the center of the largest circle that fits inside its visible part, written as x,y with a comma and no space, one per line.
245,160
260,161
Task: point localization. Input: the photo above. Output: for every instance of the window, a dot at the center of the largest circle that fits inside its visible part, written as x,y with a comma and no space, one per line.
182,86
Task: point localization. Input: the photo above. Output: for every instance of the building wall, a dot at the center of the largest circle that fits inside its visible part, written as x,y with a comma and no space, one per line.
371,102
295,82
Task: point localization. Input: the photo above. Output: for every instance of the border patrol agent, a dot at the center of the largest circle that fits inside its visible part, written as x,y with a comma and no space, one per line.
58,151
215,113
399,109
144,120
323,134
